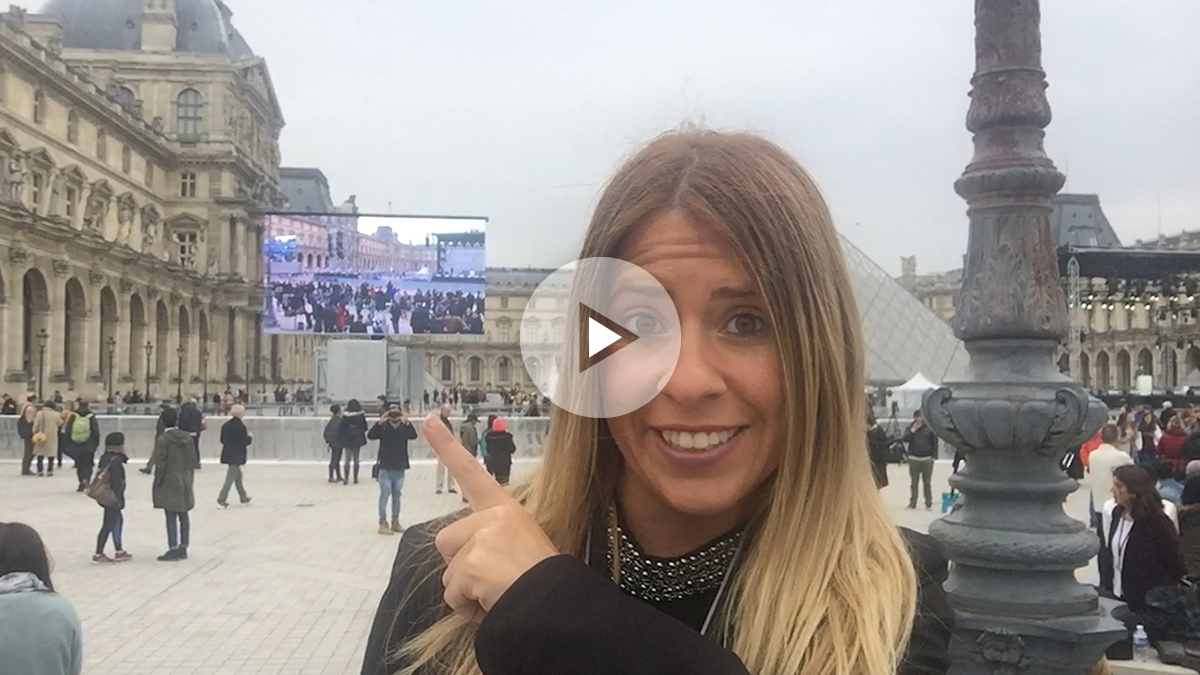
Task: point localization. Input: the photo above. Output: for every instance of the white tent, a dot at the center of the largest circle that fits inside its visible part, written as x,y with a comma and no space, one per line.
908,395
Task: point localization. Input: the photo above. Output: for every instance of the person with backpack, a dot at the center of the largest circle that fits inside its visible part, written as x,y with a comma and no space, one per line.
108,489
81,439
333,441
25,431
352,433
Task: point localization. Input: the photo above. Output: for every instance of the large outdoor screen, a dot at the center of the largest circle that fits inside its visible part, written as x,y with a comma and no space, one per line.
361,274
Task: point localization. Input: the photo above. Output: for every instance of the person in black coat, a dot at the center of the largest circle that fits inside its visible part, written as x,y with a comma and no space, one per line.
878,444
393,431
333,441
83,452
235,440
533,629
500,450
113,461
1141,545
353,435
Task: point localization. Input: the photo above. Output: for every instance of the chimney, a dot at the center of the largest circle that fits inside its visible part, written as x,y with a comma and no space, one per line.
158,26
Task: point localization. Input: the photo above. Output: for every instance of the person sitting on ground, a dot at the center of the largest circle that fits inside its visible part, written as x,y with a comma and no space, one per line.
40,633
113,462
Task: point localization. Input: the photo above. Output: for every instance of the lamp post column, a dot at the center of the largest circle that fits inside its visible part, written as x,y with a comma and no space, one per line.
112,355
42,337
1015,551
149,347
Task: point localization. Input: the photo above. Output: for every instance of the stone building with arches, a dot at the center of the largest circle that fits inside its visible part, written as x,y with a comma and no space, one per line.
137,142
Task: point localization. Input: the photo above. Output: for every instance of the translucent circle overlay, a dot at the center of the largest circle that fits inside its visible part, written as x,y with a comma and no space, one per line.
583,305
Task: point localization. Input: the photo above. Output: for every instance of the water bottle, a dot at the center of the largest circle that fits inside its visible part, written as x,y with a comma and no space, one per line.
1141,645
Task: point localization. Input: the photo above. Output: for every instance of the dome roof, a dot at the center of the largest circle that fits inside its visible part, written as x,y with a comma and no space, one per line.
204,26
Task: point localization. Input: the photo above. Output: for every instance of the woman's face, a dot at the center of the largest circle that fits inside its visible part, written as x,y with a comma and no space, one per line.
716,430
1120,493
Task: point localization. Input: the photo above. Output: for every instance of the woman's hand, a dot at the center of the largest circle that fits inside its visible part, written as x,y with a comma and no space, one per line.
487,551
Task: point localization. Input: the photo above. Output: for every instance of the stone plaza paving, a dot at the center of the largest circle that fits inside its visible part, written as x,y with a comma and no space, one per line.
287,585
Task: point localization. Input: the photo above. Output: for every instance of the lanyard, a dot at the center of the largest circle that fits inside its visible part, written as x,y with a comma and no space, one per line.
1121,543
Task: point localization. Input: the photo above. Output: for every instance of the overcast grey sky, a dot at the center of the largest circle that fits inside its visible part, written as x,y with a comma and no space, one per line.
520,111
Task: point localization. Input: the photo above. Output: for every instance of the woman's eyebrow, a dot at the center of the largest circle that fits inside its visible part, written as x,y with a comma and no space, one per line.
732,293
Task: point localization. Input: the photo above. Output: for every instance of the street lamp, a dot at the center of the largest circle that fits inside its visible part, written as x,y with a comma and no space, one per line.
228,369
1013,415
204,372
112,353
42,338
149,347
181,351
279,370
263,362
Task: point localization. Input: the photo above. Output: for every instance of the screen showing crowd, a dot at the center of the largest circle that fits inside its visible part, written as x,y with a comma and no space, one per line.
373,275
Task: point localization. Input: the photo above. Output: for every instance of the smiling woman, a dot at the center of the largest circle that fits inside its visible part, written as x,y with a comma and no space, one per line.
731,525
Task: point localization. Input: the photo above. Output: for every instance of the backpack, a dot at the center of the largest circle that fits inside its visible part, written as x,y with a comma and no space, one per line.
100,490
81,433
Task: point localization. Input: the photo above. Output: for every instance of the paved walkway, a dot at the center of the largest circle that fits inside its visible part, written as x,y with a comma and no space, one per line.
285,586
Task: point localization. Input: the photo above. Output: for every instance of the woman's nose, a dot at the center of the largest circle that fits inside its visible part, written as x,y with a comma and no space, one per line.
697,372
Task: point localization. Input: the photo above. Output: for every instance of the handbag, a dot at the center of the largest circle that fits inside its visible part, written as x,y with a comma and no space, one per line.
375,471
100,490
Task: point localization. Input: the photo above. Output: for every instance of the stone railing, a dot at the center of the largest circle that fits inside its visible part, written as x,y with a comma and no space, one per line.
275,438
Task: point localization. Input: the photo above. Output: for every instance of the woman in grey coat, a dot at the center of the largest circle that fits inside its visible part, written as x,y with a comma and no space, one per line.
174,463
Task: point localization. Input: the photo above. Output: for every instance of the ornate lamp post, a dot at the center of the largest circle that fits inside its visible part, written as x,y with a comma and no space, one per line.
42,338
263,364
149,347
204,372
112,354
181,352
1014,550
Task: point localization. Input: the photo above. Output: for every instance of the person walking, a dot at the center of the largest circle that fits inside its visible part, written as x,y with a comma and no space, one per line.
191,420
235,439
112,465
81,440
45,436
922,451
353,435
334,442
174,467
40,632
441,477
393,430
25,432
500,450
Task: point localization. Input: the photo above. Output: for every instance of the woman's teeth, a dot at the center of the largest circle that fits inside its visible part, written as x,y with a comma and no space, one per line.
698,441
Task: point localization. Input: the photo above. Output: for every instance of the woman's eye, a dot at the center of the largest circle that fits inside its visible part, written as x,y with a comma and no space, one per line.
642,324
746,325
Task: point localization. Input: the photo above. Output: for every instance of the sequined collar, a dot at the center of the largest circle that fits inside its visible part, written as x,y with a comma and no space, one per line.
654,579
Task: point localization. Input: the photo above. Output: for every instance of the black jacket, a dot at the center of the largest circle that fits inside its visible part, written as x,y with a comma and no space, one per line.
70,447
393,440
24,428
353,430
115,463
922,442
235,439
500,446
1153,557
877,444
565,617
9,407
1191,447
191,419
332,432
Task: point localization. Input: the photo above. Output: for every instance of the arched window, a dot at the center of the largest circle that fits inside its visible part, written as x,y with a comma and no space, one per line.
189,115
72,127
475,368
39,106
503,367
102,145
126,159
447,365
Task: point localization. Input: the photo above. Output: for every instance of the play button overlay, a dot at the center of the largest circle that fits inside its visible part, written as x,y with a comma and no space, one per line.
599,337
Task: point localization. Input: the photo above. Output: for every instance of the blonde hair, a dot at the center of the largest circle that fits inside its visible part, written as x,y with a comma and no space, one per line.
815,608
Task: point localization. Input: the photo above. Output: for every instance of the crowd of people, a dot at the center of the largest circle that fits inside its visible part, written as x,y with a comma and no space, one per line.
338,307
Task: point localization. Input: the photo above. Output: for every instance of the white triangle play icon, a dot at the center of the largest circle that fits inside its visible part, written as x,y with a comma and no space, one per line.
599,336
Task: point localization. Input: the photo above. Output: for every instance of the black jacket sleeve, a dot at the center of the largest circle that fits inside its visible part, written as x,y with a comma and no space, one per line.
564,617
376,432
116,480
929,647
412,602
